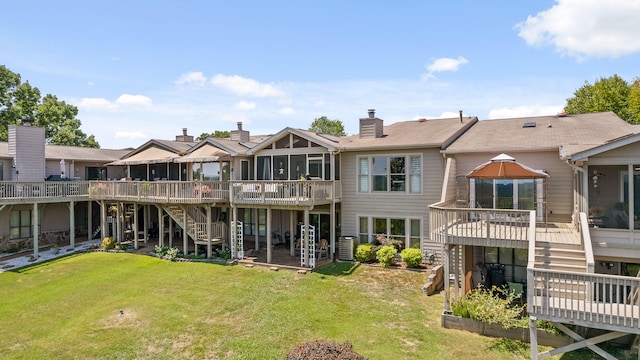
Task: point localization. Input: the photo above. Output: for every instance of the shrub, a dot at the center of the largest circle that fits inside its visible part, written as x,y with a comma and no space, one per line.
412,256
224,253
172,254
386,241
108,243
385,255
324,350
497,307
364,252
160,251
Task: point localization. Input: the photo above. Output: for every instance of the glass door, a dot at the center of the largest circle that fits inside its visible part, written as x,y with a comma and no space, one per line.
315,168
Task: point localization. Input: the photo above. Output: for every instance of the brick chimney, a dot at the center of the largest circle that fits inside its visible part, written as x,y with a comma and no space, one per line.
239,135
371,127
184,137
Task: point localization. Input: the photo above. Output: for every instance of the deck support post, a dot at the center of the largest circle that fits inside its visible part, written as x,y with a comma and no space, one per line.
89,220
256,235
292,232
103,220
209,233
269,250
72,224
185,238
118,223
160,227
34,224
447,288
135,226
533,337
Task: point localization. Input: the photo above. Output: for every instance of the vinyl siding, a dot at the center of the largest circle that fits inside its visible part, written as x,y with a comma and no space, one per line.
559,184
26,145
391,204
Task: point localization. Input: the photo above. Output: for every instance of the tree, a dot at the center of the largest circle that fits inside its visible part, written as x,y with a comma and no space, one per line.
216,134
19,101
607,94
327,126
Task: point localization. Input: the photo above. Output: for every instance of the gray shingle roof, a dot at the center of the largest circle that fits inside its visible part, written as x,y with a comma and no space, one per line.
573,132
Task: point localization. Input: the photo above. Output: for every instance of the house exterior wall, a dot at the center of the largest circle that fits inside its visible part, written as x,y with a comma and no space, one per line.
559,184
391,204
26,146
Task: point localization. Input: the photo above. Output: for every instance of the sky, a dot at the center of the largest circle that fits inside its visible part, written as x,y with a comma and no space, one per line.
146,69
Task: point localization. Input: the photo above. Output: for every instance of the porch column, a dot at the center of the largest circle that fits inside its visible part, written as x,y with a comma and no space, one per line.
185,238
170,231
305,238
135,226
34,225
72,224
118,223
103,220
90,220
160,227
145,222
255,234
269,250
447,288
209,235
332,230
292,232
234,231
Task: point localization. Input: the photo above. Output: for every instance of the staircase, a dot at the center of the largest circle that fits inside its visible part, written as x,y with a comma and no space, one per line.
196,225
561,257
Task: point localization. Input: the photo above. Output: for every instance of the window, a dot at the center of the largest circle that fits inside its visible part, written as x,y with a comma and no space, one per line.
379,166
514,261
249,222
390,174
245,172
408,231
20,224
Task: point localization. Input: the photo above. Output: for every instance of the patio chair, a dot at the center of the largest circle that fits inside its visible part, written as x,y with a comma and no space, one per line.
323,247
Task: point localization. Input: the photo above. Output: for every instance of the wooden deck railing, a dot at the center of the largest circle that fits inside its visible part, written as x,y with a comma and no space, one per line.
481,227
595,300
283,193
33,191
160,191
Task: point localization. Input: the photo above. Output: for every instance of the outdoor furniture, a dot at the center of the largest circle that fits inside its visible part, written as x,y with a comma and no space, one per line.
323,247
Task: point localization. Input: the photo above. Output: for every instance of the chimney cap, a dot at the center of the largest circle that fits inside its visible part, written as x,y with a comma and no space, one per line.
372,113
26,120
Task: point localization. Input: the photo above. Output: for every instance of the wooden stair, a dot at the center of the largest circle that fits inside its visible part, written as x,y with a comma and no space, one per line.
569,258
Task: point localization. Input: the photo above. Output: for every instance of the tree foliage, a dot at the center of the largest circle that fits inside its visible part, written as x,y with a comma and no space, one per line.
607,94
19,101
325,125
216,134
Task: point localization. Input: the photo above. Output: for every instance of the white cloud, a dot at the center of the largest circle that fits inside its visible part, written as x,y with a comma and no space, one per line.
525,111
583,28
96,104
443,64
136,100
193,78
245,105
245,87
130,135
90,84
287,111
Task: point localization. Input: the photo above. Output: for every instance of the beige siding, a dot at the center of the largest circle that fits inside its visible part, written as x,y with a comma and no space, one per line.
26,144
559,185
390,205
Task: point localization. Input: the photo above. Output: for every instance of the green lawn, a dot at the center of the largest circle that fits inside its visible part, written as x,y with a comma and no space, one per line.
70,309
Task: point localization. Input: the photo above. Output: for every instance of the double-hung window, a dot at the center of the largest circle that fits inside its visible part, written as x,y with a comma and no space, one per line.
390,174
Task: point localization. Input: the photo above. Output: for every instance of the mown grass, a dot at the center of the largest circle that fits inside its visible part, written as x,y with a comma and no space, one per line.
70,309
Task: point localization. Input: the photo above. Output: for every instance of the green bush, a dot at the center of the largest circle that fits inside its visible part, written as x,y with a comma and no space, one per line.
324,350
108,243
161,251
364,252
172,254
491,307
385,255
224,253
412,256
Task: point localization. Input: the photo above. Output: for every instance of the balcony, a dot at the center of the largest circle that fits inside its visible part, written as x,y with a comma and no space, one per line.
482,227
284,193
24,192
166,192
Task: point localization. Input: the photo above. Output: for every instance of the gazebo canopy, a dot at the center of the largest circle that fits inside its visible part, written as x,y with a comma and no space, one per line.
504,166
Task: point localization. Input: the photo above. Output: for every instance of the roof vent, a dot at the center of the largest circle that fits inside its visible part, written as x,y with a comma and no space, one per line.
530,124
